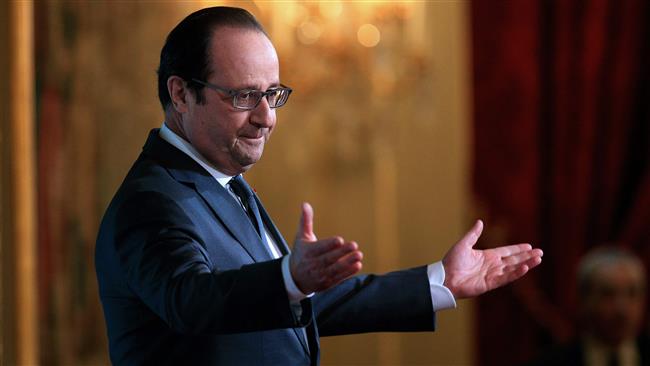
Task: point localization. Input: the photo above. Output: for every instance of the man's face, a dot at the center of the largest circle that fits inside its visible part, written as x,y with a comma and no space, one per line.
615,303
233,139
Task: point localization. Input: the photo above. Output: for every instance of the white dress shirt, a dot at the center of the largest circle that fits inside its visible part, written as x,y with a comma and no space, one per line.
597,354
441,297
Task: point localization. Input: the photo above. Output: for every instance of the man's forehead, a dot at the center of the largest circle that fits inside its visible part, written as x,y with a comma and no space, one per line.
228,37
242,51
619,271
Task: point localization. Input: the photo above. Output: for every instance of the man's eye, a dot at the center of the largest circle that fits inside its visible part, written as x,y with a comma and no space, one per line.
245,95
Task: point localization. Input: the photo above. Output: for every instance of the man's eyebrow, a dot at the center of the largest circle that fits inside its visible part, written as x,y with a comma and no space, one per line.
255,87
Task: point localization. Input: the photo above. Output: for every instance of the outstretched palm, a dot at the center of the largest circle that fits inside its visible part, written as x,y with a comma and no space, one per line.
470,272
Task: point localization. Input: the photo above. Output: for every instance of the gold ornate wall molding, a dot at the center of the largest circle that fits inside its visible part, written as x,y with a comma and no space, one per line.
19,192
4,121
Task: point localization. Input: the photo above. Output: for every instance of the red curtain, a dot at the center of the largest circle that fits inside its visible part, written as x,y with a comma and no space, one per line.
562,144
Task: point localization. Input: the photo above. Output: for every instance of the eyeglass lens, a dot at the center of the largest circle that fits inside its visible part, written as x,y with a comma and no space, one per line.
250,99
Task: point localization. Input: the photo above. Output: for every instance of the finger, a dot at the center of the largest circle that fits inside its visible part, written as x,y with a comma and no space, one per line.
306,226
533,262
509,274
529,264
323,246
346,266
513,272
349,271
521,257
473,234
344,263
511,249
330,257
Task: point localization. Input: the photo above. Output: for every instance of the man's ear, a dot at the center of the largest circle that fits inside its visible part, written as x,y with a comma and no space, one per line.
179,93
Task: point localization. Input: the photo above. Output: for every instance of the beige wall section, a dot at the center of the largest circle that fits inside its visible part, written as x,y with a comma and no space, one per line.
443,174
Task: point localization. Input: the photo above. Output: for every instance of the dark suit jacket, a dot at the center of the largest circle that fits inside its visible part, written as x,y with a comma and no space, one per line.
184,278
573,354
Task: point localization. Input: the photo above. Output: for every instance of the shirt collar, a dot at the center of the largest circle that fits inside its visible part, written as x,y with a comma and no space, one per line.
184,146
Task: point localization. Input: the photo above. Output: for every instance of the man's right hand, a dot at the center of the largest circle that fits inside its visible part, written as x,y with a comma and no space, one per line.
317,265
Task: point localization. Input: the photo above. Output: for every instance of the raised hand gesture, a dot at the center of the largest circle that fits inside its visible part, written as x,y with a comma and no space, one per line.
317,265
470,272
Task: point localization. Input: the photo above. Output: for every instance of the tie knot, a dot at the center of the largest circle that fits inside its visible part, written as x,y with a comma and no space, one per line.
241,188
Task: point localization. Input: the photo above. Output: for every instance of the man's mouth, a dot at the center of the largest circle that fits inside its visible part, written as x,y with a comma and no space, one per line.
253,138
253,135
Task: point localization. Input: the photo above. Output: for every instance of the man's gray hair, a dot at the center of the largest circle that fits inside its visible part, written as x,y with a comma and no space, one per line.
604,256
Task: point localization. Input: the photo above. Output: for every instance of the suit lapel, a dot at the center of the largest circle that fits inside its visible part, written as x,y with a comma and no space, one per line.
273,230
184,169
234,218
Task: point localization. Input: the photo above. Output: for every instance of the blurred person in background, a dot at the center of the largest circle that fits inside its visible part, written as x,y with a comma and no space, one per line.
612,293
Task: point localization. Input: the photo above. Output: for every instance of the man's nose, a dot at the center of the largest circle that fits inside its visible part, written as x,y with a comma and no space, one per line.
262,115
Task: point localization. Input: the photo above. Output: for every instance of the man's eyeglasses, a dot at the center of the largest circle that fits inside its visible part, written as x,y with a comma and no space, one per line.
248,99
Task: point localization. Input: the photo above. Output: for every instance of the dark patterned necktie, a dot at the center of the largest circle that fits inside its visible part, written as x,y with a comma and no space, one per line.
245,194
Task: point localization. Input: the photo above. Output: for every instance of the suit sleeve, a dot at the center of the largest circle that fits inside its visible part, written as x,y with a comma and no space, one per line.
165,264
395,302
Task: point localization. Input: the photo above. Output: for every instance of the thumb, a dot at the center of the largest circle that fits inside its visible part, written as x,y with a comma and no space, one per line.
306,227
473,234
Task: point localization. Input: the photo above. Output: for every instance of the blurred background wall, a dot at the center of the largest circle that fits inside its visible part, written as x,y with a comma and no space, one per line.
408,121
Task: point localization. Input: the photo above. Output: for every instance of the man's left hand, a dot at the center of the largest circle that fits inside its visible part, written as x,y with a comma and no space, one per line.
471,272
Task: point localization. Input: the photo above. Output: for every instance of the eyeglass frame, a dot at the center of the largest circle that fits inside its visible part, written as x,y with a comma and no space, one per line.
236,92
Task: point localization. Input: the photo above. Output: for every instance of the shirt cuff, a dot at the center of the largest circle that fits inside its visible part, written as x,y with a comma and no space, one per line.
295,295
441,297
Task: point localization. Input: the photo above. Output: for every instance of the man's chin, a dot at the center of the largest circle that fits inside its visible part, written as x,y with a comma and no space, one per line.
245,168
247,159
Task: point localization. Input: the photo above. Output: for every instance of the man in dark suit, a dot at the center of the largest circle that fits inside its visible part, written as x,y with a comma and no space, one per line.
191,268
